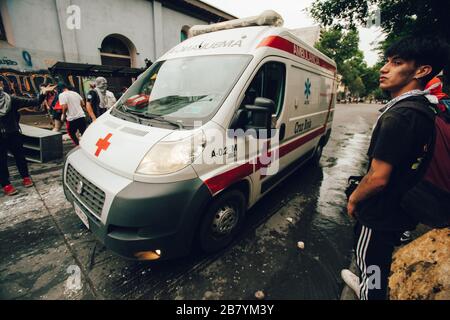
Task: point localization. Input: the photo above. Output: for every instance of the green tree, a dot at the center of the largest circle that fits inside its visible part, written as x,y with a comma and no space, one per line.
338,45
370,78
342,47
380,94
398,18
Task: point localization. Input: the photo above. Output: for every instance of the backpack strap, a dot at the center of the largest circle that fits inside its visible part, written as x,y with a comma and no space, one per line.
446,103
416,103
430,112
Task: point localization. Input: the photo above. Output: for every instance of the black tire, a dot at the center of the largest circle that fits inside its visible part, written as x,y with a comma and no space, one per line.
317,154
222,221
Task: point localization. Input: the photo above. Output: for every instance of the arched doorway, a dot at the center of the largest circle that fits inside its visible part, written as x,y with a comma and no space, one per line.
117,50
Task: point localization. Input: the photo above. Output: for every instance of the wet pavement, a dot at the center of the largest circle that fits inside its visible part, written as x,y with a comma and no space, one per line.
43,241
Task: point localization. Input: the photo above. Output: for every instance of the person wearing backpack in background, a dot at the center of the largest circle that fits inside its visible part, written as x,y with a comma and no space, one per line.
435,86
399,141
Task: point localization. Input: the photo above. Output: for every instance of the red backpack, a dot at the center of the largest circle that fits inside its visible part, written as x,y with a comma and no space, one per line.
428,202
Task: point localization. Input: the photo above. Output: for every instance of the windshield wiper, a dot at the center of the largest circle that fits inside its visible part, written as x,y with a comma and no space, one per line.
153,116
128,114
139,115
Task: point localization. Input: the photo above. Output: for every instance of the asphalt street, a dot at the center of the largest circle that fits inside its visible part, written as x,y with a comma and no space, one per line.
44,244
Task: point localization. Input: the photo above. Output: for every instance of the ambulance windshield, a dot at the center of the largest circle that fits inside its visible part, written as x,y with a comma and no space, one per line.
184,89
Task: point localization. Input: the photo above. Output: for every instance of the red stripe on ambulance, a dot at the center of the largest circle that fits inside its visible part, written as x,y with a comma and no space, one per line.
227,178
292,48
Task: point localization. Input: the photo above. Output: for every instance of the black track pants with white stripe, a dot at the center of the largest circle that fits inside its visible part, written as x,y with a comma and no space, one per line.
373,249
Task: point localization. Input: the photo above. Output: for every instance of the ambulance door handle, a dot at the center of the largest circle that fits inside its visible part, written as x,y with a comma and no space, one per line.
282,131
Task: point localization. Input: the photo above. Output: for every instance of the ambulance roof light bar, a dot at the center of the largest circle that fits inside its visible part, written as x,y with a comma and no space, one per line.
267,18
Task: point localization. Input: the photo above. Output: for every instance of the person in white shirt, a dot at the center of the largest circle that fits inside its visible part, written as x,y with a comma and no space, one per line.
110,99
72,105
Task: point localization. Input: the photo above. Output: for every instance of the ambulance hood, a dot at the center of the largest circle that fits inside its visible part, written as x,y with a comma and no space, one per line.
120,145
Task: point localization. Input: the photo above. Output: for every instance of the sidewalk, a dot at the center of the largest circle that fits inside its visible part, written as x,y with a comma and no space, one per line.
37,256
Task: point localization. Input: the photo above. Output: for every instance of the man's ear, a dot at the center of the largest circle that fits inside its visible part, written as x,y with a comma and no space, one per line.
423,71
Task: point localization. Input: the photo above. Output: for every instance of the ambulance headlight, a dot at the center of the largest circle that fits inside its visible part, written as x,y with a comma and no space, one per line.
170,156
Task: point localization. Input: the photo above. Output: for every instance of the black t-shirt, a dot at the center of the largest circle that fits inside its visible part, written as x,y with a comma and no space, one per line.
9,123
94,99
400,138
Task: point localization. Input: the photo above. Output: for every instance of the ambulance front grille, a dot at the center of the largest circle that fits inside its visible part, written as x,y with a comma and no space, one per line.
91,196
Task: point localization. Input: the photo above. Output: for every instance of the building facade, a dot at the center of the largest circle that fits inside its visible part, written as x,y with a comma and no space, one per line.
37,34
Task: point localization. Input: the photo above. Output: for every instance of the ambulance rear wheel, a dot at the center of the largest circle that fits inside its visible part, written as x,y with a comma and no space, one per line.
222,221
317,154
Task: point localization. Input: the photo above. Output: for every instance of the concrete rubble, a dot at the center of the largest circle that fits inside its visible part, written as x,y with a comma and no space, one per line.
421,269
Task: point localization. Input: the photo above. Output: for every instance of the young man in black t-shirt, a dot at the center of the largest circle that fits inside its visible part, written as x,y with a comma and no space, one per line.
398,142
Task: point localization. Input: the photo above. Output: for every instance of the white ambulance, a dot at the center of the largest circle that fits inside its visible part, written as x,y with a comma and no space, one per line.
165,169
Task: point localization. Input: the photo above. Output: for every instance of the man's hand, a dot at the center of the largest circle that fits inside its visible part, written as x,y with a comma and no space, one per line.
351,208
372,183
47,89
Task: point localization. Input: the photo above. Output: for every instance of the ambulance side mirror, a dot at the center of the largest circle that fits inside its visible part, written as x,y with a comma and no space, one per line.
265,103
260,117
253,118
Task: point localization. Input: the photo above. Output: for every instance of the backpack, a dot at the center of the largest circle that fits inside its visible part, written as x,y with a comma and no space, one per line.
428,201
445,103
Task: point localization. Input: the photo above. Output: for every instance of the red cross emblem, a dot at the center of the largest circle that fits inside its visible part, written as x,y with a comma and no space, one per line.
103,144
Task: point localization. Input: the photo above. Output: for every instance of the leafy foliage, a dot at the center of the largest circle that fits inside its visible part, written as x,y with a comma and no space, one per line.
342,47
399,18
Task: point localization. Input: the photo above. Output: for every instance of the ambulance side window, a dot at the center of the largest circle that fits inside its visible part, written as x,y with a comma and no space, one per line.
269,83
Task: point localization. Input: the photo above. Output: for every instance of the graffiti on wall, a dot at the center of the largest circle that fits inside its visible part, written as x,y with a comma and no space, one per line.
26,84
7,62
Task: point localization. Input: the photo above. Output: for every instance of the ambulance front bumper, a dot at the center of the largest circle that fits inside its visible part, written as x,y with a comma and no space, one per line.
137,217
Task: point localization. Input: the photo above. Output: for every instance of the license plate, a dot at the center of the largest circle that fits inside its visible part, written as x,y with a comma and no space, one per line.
83,217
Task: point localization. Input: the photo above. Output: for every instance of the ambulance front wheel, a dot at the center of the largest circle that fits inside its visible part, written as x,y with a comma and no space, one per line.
222,221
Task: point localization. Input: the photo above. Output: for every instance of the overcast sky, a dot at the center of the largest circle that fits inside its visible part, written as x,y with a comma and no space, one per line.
294,15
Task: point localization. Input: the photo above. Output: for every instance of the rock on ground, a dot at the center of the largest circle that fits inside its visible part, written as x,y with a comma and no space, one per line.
421,269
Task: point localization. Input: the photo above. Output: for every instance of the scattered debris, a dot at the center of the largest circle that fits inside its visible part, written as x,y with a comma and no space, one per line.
290,220
301,245
259,295
208,295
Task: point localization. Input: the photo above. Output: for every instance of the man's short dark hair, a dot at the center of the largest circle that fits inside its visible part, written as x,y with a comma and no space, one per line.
423,51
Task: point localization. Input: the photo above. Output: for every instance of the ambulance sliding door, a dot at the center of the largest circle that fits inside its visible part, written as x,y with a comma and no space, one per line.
307,110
